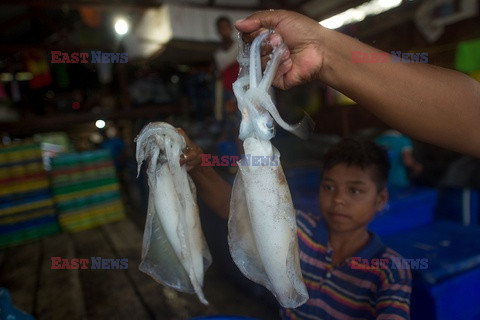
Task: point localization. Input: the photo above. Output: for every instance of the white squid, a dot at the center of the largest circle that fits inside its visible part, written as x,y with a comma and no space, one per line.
174,249
262,226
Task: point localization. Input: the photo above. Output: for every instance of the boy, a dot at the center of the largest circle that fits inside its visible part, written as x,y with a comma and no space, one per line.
336,250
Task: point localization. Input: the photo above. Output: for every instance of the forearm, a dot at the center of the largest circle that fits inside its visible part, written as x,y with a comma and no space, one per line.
213,189
420,100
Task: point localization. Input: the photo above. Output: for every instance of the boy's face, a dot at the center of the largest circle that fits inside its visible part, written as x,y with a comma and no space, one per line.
349,197
224,29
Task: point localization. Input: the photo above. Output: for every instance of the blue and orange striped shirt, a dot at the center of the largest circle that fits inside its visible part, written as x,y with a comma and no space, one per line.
346,291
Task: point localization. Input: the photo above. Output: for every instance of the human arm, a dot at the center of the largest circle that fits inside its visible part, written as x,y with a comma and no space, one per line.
393,299
430,103
212,188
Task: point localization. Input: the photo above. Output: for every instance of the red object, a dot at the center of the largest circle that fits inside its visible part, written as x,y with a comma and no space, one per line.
36,63
90,16
229,75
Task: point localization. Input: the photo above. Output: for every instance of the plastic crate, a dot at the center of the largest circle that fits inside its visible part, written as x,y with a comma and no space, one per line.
408,208
86,190
448,287
459,204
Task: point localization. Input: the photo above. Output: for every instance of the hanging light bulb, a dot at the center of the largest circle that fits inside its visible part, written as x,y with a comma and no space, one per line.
100,124
121,26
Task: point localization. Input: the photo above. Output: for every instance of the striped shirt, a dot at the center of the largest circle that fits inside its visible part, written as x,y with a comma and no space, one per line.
346,291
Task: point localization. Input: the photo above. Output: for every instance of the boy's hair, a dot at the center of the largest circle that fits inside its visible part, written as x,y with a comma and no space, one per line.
360,153
223,19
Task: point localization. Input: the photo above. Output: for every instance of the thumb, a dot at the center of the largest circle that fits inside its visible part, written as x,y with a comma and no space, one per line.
258,20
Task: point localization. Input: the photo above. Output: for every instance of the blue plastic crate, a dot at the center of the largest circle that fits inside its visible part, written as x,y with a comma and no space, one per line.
459,204
408,208
418,202
304,184
449,287
17,226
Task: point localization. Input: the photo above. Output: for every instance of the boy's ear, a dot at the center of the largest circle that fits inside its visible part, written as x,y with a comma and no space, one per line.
382,199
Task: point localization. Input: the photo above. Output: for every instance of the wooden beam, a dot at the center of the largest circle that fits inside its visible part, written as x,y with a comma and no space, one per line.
64,122
107,293
377,24
132,4
16,47
81,3
339,8
297,6
59,292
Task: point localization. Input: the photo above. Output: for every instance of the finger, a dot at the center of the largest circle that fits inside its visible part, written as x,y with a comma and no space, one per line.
183,159
275,40
187,155
266,51
191,156
284,66
196,161
249,37
282,73
184,135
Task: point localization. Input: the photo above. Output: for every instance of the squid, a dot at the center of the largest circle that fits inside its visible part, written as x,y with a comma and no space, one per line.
262,230
174,250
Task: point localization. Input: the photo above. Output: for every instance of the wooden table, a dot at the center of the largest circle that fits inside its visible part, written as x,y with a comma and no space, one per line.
26,271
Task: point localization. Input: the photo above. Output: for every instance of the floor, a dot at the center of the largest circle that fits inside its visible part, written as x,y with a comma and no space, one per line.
26,271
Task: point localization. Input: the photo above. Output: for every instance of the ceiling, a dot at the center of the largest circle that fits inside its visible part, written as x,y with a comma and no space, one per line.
76,25
83,25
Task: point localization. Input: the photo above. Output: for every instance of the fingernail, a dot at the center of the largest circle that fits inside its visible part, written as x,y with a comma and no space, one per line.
239,20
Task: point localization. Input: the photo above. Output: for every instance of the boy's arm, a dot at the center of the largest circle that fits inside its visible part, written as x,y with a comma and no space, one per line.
210,185
213,189
393,300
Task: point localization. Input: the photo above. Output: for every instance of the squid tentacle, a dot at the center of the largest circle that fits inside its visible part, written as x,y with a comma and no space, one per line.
255,60
272,67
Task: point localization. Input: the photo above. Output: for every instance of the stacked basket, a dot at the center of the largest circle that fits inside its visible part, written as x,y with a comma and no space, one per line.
26,204
86,190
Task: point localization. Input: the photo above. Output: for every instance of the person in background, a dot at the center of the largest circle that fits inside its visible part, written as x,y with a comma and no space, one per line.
426,102
334,245
227,69
402,161
115,145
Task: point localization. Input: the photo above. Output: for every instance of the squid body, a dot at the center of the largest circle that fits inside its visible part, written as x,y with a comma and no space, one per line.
262,225
174,249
